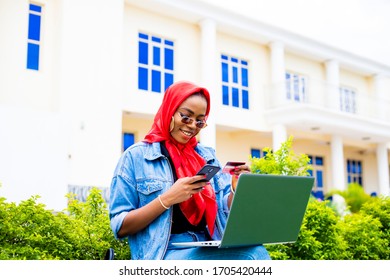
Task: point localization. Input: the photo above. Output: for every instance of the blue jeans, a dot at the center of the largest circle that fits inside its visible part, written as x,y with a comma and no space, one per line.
209,253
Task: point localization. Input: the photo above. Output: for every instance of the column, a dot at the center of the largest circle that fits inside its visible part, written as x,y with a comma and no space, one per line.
279,135
332,85
383,169
337,162
380,103
276,95
209,78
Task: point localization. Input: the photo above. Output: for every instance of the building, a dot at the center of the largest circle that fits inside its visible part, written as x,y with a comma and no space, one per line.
81,80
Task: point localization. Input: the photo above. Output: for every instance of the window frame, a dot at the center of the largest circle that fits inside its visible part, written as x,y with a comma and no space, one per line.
156,61
355,173
318,170
235,82
34,45
296,86
124,134
261,152
348,99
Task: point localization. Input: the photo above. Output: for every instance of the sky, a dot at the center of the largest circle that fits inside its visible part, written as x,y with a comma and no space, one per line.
361,27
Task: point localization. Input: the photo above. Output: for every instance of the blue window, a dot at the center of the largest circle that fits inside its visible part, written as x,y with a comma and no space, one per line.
168,80
317,163
156,78
168,59
155,63
128,140
256,153
34,36
235,95
225,95
235,83
355,172
296,87
143,80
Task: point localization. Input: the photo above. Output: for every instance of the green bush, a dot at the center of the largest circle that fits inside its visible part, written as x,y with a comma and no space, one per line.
318,239
354,196
364,237
29,231
92,228
284,161
379,208
82,232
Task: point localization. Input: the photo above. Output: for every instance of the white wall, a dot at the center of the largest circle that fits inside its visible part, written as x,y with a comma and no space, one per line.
33,134
62,124
19,86
258,68
90,86
33,156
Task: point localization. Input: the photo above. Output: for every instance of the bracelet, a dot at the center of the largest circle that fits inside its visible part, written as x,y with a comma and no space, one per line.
231,190
162,204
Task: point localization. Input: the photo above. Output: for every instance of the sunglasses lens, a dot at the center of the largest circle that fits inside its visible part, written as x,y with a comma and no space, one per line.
186,120
200,124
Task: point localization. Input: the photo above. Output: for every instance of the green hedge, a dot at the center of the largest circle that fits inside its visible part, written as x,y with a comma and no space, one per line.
81,232
325,235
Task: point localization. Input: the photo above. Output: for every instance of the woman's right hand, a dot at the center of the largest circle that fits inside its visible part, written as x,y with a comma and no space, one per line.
183,189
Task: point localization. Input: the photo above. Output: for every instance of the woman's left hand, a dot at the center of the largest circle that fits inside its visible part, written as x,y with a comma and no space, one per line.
236,173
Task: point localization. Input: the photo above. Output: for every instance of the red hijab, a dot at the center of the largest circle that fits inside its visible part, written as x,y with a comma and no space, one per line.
185,159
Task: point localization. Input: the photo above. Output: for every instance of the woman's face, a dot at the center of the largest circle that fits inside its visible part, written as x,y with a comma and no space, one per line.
193,107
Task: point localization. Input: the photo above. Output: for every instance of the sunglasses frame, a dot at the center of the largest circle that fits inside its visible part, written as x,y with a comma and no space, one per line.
187,120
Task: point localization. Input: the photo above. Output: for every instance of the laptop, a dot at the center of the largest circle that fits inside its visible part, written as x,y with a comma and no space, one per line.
266,209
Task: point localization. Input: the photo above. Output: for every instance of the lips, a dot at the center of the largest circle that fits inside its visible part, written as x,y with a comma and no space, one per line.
186,133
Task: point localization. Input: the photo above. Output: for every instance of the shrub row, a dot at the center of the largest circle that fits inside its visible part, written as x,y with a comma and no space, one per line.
325,235
81,232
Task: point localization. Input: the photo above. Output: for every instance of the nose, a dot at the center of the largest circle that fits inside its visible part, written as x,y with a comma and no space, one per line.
192,124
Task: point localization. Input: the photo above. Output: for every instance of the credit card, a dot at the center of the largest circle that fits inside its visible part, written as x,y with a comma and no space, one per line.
230,165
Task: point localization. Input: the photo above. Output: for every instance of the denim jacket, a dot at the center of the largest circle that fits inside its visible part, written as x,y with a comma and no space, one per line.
142,174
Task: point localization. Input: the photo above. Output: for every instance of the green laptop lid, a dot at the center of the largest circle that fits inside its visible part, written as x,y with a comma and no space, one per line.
267,209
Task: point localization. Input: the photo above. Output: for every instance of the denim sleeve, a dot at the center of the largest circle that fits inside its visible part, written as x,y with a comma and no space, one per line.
226,208
123,195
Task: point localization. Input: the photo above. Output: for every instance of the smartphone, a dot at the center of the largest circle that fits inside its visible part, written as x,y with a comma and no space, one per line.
208,170
230,165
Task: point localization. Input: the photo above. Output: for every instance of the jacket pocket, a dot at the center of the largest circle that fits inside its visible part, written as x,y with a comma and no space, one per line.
150,186
149,189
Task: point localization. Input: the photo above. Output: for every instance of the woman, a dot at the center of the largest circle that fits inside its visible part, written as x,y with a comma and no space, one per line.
154,200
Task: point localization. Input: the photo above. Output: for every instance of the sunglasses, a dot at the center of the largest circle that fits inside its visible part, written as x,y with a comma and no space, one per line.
187,120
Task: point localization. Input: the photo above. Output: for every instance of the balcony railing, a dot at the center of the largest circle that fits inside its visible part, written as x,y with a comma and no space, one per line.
324,96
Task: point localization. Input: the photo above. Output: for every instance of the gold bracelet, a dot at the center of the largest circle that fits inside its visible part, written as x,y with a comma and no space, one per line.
162,204
231,190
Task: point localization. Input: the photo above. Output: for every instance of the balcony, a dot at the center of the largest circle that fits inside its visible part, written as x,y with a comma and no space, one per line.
317,106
